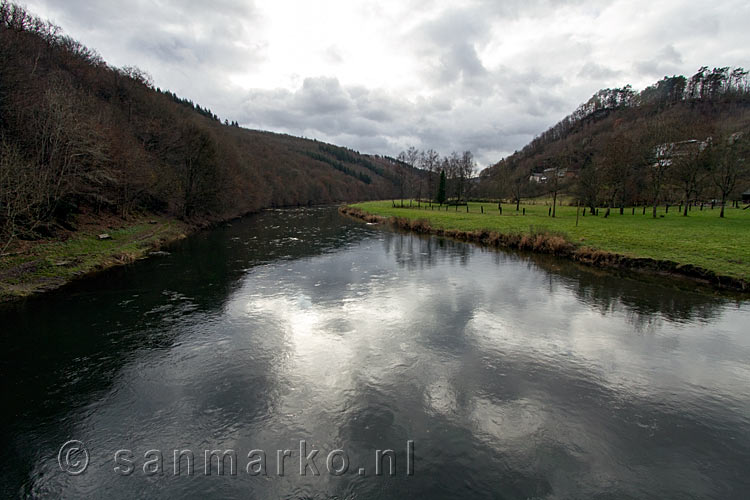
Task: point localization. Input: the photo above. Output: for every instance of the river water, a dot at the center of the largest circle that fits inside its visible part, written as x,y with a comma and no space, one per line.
457,371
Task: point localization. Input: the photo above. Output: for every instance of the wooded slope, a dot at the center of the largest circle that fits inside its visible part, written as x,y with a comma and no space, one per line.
679,140
79,136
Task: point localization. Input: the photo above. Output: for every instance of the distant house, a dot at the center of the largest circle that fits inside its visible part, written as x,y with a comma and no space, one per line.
666,153
547,174
538,177
550,172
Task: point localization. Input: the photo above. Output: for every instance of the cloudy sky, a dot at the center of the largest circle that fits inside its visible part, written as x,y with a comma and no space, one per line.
378,76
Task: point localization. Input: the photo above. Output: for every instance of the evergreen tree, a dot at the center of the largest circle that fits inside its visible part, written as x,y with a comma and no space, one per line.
441,188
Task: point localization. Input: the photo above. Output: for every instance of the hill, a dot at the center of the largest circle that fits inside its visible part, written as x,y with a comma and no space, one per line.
80,138
681,140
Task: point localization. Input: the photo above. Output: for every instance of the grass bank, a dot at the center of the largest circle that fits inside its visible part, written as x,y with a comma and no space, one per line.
700,246
32,267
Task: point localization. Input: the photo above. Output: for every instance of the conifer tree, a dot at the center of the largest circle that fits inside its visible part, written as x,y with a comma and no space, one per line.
441,189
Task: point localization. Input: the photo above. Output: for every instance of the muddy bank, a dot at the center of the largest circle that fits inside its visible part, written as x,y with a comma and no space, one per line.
556,244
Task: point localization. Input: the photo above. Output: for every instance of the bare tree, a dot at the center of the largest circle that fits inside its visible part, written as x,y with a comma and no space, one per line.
728,164
20,195
619,159
590,184
128,81
193,153
430,161
689,170
519,185
411,158
466,167
451,168
556,177
657,150
500,180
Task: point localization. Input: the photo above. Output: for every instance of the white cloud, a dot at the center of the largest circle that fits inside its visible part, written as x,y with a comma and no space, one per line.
380,75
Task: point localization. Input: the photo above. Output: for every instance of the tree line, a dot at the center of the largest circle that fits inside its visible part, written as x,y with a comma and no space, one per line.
442,180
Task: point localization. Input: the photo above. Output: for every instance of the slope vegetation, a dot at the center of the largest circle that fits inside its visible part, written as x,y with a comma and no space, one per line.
80,138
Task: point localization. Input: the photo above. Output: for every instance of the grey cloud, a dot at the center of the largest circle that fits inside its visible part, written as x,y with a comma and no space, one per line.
322,96
666,61
461,60
173,35
376,121
447,44
594,71
516,9
319,104
333,54
456,27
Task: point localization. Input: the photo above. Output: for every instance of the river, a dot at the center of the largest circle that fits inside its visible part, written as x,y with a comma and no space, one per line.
456,371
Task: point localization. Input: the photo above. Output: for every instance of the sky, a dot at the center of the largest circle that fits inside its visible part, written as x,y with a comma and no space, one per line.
380,76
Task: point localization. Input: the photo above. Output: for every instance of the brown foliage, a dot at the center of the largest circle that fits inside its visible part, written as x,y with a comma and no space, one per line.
77,134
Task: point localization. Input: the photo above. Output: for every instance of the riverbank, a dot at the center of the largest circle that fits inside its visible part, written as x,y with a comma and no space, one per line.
701,246
31,267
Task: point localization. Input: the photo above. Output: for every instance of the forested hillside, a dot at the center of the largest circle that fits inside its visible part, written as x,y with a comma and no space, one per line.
681,140
78,136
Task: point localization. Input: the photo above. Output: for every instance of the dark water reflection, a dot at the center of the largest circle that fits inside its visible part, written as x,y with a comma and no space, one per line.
515,377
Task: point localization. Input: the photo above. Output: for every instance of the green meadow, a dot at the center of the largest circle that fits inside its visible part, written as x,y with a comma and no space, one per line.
701,239
49,264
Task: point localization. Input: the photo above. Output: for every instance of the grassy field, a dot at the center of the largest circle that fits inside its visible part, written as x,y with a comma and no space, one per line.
701,239
39,266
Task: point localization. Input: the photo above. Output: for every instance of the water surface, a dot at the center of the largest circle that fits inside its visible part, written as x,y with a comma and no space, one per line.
513,376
